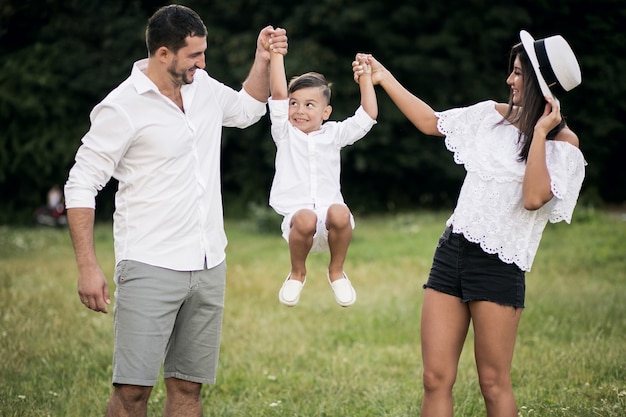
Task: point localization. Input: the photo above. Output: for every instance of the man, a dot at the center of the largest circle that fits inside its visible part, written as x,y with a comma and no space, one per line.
159,134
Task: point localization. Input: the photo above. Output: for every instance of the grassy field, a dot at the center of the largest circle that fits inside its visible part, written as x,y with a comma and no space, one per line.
318,359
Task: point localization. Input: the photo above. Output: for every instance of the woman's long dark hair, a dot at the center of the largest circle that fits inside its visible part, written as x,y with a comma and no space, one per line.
528,112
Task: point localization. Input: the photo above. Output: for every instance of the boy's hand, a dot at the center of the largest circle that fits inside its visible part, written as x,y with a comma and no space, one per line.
365,73
278,42
272,40
360,66
366,62
366,69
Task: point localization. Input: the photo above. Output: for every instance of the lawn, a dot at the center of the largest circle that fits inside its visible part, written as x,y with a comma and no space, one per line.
318,359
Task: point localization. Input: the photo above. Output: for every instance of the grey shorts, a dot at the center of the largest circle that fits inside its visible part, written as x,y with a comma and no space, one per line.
169,318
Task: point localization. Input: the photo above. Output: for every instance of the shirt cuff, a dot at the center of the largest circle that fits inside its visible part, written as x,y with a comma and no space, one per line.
363,119
79,198
258,107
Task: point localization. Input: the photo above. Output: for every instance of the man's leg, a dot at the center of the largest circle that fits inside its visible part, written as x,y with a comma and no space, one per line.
192,353
182,399
128,401
147,301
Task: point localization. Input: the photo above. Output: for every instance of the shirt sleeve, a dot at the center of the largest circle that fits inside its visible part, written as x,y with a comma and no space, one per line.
240,108
355,127
566,165
279,117
482,142
460,126
102,148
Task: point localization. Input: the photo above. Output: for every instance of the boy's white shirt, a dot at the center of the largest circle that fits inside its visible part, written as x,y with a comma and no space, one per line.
308,166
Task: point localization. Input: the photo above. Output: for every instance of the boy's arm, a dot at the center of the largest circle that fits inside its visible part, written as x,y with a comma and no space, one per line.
416,110
278,79
368,94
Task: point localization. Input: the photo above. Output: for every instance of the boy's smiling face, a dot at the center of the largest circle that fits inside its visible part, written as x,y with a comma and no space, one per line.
308,109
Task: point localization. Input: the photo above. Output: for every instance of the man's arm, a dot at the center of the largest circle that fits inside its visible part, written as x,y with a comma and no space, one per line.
257,83
93,288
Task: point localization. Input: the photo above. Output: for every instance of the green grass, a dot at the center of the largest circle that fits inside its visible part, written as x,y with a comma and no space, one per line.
318,359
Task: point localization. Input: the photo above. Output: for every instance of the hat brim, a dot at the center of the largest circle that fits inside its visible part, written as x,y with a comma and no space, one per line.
529,46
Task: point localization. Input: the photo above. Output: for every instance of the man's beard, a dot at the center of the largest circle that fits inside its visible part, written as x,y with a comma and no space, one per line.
181,77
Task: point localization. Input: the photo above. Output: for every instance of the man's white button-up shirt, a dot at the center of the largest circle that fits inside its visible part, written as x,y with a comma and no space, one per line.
168,207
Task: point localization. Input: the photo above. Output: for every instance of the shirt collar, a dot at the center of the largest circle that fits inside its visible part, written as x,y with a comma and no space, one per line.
140,80
143,83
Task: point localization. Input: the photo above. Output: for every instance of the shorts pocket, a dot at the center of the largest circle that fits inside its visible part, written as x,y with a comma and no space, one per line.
121,272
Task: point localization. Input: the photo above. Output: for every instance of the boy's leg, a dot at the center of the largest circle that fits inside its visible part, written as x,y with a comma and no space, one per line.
339,226
303,225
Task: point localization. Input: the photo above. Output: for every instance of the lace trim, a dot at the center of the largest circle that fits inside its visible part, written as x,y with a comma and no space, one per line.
470,133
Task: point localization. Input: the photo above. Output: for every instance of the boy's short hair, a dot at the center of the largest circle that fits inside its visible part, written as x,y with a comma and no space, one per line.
311,79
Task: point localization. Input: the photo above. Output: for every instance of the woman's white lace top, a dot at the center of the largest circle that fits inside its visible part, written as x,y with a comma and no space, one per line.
490,210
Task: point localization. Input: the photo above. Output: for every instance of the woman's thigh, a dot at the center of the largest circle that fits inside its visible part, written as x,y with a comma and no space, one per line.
495,331
444,325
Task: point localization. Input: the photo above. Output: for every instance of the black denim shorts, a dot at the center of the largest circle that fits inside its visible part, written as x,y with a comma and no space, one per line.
462,269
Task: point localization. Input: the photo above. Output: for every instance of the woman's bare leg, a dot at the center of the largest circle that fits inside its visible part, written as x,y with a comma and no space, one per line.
495,329
445,322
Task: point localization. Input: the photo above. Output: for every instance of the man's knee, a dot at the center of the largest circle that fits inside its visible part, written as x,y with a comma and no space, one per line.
182,398
183,388
129,397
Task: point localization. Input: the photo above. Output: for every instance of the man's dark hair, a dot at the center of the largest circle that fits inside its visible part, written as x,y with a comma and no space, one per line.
170,26
311,79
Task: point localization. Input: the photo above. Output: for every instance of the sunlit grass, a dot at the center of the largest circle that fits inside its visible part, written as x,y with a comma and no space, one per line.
318,359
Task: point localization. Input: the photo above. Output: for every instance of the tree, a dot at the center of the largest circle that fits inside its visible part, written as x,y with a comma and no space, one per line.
59,58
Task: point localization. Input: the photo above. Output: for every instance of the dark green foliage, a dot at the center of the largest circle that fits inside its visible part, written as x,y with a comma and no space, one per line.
59,58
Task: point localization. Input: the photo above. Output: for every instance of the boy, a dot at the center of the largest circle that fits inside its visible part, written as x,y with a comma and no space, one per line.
306,187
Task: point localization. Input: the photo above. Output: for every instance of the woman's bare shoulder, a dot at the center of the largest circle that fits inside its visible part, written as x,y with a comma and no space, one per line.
567,135
502,108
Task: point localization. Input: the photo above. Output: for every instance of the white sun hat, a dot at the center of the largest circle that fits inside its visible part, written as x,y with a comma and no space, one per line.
554,62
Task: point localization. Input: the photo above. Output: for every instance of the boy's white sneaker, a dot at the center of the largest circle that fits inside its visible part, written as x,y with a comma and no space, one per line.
345,295
289,293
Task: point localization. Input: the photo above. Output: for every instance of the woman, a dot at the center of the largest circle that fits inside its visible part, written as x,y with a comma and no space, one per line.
524,169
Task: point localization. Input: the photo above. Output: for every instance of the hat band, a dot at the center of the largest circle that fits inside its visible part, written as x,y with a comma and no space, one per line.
546,69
